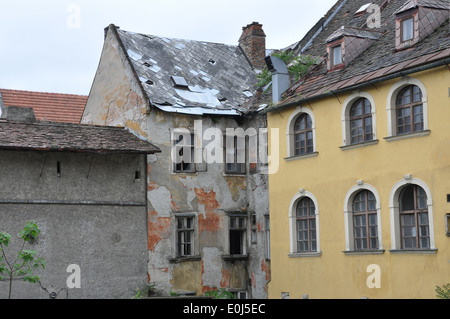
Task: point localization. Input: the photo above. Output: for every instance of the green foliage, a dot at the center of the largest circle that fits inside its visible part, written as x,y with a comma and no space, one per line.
443,292
298,66
221,293
26,261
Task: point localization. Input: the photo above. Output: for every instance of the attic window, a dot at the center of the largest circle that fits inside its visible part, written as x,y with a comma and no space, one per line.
336,55
212,61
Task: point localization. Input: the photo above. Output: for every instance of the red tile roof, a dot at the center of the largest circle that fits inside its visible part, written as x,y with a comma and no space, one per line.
53,107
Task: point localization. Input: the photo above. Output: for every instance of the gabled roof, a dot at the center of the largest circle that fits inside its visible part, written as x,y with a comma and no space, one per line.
71,138
191,77
53,107
377,62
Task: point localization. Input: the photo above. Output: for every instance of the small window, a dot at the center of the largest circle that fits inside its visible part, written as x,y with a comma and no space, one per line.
303,135
336,55
238,235
407,29
410,116
184,153
185,236
361,121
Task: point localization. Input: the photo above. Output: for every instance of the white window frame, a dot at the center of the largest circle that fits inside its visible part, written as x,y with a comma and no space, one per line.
345,117
391,108
348,215
394,208
293,225
290,131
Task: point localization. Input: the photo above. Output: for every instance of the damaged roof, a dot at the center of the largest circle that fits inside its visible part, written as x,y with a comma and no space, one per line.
71,138
379,60
190,77
53,107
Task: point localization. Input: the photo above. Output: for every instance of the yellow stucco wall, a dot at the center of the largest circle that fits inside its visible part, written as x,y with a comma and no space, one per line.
333,172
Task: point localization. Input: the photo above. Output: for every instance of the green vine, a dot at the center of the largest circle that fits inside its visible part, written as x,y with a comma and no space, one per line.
298,66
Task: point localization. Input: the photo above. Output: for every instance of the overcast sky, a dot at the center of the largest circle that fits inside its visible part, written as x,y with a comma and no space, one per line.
55,45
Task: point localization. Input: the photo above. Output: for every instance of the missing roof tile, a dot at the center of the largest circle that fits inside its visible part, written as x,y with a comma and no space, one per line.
211,61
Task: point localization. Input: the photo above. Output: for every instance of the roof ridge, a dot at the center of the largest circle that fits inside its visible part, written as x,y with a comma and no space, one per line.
46,93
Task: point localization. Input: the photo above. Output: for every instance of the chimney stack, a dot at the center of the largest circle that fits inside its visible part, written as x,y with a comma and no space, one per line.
253,42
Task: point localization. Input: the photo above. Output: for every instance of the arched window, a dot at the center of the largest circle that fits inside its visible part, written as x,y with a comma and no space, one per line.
306,226
361,121
414,222
303,135
365,225
409,110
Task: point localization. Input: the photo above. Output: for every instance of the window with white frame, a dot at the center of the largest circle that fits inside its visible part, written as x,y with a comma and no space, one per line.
301,133
407,108
304,225
358,120
362,215
411,207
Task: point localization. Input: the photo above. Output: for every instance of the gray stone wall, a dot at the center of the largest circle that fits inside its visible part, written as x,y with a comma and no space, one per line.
92,214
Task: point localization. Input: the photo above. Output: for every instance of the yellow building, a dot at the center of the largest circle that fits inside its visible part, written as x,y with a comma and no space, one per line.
360,202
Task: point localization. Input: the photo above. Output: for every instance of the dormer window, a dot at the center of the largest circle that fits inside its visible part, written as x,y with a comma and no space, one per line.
416,20
341,46
407,29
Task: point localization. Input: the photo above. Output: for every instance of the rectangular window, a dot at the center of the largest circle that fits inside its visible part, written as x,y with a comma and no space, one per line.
184,152
336,55
238,235
407,29
185,236
234,155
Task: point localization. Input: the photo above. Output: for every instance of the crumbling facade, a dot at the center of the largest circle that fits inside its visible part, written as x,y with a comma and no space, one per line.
207,217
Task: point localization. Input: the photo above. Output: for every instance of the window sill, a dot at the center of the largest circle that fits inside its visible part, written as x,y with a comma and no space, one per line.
308,254
234,257
185,173
234,174
358,145
414,251
297,157
408,135
364,252
186,258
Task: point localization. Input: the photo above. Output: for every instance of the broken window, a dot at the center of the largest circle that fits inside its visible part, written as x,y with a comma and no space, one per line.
234,155
183,156
185,235
238,235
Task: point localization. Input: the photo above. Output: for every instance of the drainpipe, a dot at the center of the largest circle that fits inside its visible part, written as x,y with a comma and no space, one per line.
280,77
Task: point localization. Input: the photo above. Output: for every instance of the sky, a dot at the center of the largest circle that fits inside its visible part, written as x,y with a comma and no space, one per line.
55,45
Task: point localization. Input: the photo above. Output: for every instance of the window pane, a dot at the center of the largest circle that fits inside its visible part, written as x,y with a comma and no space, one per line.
337,55
407,29
407,198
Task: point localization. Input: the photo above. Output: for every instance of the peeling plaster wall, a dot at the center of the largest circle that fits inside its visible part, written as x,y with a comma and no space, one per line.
116,99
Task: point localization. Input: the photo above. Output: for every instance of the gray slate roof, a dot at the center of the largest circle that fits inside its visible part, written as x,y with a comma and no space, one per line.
43,136
191,77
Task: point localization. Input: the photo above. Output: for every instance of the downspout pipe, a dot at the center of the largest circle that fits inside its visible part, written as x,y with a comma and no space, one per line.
394,75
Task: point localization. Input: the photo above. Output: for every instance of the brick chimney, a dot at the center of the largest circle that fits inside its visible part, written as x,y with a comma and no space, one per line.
253,42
